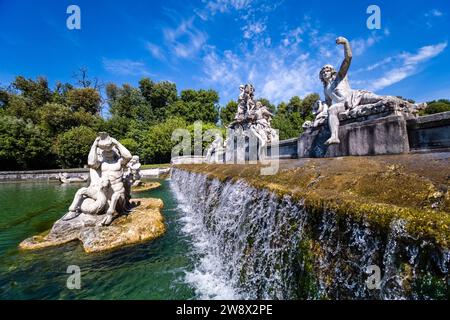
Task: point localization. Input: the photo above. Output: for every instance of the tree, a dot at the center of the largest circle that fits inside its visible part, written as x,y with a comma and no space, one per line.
128,102
131,145
36,92
266,102
60,92
307,104
87,99
117,126
23,145
72,146
56,118
196,105
157,145
228,113
158,96
82,79
436,106
289,125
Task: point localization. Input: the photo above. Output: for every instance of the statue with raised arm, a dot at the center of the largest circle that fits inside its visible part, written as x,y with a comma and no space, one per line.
340,98
107,192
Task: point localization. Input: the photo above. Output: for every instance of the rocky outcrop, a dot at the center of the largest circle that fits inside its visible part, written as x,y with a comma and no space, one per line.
144,223
146,186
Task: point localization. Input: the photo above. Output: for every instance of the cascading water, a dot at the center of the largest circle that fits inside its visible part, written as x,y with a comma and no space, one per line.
252,244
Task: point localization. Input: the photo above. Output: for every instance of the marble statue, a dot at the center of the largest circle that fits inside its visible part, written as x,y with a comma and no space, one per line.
65,178
134,171
252,120
340,98
108,192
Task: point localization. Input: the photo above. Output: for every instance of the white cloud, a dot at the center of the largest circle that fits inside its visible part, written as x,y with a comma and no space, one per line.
277,72
155,51
434,13
359,46
185,40
222,6
409,66
125,67
254,29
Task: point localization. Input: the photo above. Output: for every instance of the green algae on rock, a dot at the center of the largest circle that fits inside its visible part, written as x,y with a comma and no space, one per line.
146,186
413,187
145,223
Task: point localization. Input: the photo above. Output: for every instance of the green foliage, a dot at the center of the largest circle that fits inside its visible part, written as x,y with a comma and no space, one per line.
228,113
117,126
157,145
158,96
195,105
289,125
208,134
23,145
72,147
56,117
265,102
36,92
87,99
131,145
290,117
127,102
442,105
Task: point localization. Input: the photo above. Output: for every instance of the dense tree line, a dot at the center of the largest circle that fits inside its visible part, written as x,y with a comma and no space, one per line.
43,127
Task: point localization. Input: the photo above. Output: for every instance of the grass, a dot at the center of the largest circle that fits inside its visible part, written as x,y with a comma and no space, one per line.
154,166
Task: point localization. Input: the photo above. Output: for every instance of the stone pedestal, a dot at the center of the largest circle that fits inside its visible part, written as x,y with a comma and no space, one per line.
144,223
359,137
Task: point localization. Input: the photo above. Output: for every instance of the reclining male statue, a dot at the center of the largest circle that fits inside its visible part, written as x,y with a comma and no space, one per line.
339,97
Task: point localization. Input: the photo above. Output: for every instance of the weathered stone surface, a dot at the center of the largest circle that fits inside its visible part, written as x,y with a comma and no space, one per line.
387,135
147,186
144,223
429,132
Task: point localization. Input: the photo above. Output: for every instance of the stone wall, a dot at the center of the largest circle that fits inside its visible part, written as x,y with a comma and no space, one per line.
52,175
429,132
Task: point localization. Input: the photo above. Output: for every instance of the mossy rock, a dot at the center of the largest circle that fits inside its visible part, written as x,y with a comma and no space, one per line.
376,190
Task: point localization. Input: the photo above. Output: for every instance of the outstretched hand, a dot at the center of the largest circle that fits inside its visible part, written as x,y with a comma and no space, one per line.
341,40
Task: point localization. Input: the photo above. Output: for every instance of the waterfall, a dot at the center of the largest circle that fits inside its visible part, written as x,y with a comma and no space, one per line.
252,244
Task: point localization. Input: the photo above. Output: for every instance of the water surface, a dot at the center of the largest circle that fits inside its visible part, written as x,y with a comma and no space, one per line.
153,270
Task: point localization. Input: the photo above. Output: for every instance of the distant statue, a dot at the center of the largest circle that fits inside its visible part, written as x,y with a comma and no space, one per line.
107,160
134,171
65,178
339,97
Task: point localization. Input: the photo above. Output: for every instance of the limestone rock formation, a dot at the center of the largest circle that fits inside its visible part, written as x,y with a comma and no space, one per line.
143,224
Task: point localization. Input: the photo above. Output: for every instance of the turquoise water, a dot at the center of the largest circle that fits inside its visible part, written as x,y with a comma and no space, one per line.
154,270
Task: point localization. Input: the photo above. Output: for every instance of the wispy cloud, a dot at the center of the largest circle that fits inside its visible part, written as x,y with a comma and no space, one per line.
185,40
434,13
253,29
125,67
408,66
156,51
212,7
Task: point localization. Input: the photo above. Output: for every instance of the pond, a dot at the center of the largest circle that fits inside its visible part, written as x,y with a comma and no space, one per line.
153,270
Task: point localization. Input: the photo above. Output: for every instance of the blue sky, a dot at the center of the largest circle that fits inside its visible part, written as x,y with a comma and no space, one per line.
279,46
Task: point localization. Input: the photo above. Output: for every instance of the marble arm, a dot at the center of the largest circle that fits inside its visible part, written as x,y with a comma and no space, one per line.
124,153
93,157
347,57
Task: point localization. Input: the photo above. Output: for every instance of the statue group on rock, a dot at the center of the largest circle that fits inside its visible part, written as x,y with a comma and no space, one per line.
112,171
